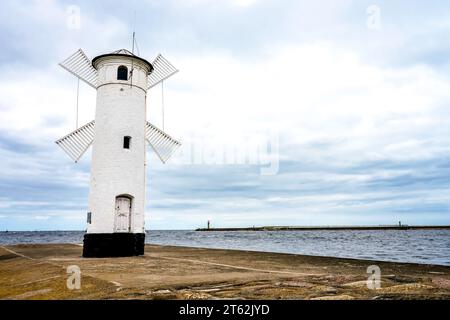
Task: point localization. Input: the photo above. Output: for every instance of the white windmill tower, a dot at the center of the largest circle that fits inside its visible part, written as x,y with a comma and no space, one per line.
119,136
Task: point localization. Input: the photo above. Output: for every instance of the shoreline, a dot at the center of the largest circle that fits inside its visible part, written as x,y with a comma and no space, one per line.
250,251
169,272
361,260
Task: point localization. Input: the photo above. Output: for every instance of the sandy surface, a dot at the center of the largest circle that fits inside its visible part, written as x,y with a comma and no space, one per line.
164,272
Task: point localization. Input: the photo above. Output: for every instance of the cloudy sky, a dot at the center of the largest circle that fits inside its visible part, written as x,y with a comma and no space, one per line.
342,107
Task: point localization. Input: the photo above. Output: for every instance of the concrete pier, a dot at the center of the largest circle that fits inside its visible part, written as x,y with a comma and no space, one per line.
165,272
329,228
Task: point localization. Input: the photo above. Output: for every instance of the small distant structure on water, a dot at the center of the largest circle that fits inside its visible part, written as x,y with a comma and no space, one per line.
119,135
399,226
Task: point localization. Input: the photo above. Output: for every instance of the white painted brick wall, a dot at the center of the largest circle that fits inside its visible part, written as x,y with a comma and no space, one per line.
120,111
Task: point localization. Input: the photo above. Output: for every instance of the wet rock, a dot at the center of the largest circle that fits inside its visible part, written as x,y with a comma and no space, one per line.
406,288
297,284
30,294
325,289
337,297
441,282
192,295
164,291
356,284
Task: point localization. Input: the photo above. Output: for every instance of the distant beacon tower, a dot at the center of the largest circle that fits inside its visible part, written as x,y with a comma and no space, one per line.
119,136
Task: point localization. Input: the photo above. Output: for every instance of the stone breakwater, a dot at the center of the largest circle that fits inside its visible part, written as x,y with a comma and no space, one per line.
166,272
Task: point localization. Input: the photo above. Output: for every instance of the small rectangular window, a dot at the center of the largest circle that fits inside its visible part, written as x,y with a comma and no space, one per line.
126,142
89,217
122,73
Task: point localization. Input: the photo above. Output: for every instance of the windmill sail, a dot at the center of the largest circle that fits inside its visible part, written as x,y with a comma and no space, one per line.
162,69
81,67
163,144
76,143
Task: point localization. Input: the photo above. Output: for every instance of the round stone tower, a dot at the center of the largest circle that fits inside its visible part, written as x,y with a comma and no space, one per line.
117,187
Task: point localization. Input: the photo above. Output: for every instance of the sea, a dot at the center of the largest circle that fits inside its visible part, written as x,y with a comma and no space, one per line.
414,246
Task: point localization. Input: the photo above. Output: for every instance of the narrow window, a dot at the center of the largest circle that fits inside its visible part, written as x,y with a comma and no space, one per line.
126,142
122,73
89,217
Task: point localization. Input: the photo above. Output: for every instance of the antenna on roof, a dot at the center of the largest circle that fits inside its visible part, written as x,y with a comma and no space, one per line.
134,33
132,50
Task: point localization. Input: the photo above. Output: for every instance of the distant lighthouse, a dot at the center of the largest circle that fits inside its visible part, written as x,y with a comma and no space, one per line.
119,136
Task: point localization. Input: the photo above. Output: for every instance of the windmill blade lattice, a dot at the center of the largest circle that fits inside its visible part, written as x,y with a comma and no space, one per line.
162,69
163,144
76,143
81,67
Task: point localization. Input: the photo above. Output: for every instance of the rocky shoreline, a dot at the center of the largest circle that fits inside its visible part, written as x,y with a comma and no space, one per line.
167,272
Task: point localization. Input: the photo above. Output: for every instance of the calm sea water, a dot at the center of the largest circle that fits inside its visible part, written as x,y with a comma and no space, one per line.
419,246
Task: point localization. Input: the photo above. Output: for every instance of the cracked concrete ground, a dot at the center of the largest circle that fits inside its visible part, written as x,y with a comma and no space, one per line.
165,272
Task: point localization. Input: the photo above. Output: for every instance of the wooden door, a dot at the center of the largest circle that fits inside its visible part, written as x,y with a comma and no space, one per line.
123,214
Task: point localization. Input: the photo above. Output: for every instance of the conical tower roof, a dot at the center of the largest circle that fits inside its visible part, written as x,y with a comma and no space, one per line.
123,51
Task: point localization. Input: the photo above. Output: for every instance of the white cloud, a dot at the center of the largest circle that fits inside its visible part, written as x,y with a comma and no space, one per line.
244,3
309,93
333,105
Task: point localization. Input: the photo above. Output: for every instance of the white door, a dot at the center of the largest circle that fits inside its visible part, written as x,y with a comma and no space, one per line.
123,212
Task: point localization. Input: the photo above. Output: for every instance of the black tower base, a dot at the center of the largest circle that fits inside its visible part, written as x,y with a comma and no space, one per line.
102,245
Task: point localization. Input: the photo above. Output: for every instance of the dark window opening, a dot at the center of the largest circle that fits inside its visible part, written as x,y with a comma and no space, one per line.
122,73
89,217
126,142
